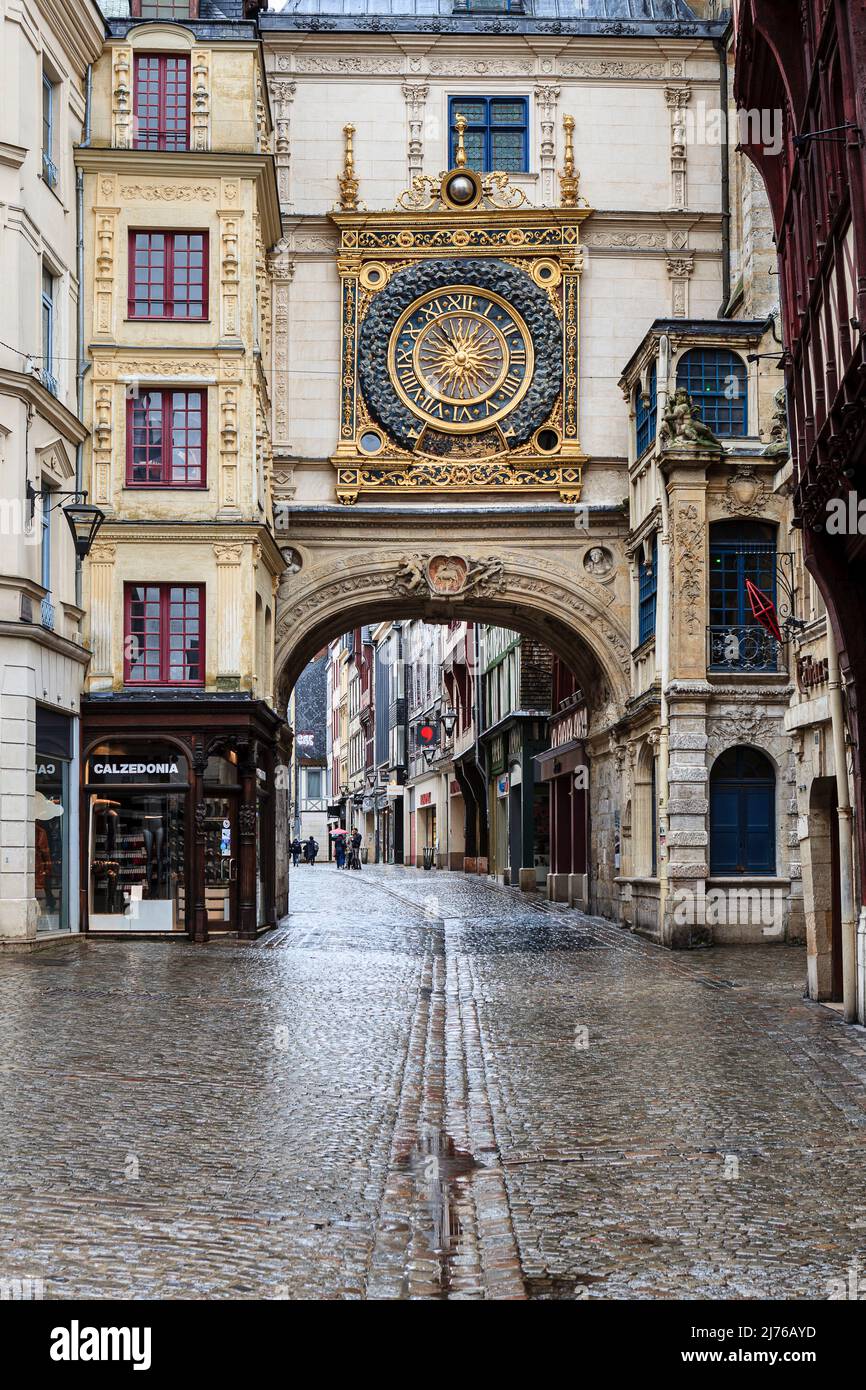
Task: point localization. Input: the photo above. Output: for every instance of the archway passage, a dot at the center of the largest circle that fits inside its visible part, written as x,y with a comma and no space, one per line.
554,582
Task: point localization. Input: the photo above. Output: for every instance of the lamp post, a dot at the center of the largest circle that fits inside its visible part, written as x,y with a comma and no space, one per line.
448,719
83,519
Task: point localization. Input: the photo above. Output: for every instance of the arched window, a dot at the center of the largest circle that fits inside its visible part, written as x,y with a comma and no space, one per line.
740,551
742,814
717,382
645,411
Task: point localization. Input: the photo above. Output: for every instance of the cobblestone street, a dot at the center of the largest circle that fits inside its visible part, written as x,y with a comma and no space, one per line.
388,1098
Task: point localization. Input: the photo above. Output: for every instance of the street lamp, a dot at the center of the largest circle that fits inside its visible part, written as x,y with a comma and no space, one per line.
429,755
448,719
84,520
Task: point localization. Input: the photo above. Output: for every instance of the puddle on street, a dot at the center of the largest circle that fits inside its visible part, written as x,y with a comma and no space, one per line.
436,1166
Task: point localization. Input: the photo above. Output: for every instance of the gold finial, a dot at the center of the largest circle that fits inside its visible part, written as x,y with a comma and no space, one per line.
569,179
347,180
460,157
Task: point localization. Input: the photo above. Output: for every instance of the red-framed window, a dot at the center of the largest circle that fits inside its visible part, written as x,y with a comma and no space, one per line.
166,439
163,634
168,275
161,102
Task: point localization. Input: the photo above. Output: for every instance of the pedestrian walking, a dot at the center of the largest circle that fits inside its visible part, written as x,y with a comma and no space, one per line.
355,859
296,851
311,849
340,851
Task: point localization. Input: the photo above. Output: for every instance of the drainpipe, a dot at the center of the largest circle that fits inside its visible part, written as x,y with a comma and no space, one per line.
846,840
663,644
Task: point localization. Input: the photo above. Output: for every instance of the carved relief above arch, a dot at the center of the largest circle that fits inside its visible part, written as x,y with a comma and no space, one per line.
519,590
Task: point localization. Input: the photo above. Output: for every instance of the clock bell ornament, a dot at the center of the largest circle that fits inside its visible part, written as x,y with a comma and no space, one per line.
460,345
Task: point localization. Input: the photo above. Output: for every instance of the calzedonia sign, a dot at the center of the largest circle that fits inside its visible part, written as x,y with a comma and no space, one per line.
160,766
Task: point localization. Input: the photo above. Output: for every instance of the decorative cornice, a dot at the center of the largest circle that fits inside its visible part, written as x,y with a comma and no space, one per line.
191,165
28,388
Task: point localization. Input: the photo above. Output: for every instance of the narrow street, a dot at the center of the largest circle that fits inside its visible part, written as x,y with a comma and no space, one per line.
425,1086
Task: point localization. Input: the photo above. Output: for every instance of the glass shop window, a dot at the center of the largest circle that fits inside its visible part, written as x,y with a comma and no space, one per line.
51,815
136,807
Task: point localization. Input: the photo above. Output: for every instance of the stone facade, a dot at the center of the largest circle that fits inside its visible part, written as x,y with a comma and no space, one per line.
46,48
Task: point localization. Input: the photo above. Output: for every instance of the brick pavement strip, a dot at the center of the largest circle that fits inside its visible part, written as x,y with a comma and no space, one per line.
383,1099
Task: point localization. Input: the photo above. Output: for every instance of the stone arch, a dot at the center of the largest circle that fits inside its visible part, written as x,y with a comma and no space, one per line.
577,619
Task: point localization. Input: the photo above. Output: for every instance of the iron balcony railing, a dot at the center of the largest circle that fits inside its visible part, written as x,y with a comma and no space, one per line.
742,647
48,614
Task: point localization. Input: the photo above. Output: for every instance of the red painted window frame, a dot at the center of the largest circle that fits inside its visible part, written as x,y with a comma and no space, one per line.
164,619
162,143
167,392
168,280
135,11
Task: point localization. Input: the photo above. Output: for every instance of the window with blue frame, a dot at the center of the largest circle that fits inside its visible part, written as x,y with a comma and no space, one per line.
648,585
645,413
742,814
489,7
741,551
497,132
717,381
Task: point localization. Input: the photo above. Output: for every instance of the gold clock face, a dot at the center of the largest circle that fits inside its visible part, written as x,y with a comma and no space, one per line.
460,358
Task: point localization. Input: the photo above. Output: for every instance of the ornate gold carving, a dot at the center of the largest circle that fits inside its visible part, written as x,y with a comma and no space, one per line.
348,181
569,179
494,192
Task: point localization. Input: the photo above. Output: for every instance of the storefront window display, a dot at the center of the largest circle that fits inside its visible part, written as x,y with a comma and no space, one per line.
51,814
136,807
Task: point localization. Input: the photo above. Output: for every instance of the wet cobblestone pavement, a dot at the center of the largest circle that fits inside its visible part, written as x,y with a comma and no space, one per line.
389,1097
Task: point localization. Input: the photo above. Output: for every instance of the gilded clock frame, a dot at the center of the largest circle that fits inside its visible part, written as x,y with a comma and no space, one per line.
543,241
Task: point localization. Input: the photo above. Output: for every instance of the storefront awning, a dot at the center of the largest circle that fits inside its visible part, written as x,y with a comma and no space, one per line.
556,762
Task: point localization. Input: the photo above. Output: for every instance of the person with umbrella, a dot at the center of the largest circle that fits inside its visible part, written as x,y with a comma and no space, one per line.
339,838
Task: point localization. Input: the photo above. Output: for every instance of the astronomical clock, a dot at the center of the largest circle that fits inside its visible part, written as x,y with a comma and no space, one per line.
460,339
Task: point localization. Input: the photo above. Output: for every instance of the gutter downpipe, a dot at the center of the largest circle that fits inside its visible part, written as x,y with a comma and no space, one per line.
663,626
83,366
846,840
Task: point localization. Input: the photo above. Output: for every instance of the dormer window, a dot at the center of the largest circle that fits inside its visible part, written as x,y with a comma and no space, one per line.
164,9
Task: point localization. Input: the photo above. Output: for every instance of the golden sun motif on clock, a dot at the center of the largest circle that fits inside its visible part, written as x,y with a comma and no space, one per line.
460,358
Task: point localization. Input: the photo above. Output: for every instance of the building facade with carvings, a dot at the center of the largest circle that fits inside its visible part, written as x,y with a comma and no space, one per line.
45,48
809,152
184,801
525,375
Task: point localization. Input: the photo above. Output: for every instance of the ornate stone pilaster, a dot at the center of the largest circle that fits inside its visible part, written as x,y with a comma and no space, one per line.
201,100
121,99
229,558
680,270
687,486
546,97
100,563
229,252
104,273
229,498
677,99
103,410
282,269
282,96
416,97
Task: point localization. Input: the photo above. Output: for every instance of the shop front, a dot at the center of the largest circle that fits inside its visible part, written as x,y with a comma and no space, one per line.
54,816
178,822
563,769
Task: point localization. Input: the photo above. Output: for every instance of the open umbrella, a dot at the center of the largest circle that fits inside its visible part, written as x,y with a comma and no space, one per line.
335,833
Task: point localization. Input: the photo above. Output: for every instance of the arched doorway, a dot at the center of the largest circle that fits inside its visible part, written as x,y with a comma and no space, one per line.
821,884
742,814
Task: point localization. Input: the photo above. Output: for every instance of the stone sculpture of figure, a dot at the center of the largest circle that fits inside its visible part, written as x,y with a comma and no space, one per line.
597,561
779,446
681,426
485,575
410,577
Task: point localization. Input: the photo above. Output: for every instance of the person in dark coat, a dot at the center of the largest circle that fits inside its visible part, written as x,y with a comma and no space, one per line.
355,861
311,849
340,851
297,847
